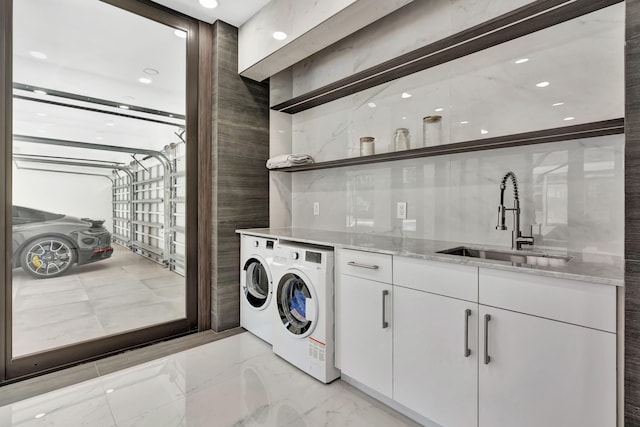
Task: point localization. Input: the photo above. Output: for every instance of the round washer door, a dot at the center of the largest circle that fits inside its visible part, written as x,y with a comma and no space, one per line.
297,303
257,283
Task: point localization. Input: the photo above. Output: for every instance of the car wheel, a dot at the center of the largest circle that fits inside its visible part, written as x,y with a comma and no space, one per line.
47,257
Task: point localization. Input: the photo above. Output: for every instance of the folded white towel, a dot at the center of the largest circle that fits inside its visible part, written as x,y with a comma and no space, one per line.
286,160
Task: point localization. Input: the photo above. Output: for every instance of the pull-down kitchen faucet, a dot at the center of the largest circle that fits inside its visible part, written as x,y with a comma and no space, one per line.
517,239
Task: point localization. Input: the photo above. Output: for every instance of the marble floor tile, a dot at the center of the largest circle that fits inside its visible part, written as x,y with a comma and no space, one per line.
138,390
84,404
236,381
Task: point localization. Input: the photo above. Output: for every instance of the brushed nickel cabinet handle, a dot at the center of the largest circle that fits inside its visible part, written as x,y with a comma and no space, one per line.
385,324
357,264
487,358
467,350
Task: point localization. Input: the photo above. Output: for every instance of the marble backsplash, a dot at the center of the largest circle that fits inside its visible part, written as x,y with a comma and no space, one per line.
571,193
414,25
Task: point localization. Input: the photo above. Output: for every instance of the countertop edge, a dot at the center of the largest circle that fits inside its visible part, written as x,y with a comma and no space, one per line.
438,257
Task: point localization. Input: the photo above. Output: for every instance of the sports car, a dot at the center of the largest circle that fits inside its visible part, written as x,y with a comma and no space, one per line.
46,244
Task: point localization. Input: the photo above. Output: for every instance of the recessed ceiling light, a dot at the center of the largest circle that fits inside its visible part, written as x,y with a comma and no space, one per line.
209,4
372,105
40,92
145,80
109,391
99,138
41,114
40,415
38,55
557,104
151,71
124,107
109,123
522,60
279,35
464,122
406,95
404,117
566,119
181,34
484,131
438,110
542,84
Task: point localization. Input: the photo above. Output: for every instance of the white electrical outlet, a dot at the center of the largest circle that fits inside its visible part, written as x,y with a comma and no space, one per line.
316,208
402,210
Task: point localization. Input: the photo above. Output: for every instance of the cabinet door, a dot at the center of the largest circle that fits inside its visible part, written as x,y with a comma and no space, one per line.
366,332
435,362
542,372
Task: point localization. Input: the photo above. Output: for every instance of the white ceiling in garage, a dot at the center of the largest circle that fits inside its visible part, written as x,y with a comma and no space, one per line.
94,49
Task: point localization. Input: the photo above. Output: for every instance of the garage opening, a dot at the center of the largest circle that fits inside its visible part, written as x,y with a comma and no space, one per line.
99,173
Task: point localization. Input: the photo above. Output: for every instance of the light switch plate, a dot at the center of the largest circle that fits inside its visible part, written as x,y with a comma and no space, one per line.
316,208
402,210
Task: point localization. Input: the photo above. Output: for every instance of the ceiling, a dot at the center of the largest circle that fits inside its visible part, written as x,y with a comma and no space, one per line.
85,56
234,12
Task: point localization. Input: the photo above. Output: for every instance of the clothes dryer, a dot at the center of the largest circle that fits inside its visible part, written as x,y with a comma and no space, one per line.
303,308
256,285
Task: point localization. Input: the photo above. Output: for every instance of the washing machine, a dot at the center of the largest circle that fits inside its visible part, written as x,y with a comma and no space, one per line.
303,308
256,285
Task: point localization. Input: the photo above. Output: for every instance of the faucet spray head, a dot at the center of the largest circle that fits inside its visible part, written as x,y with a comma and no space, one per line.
501,220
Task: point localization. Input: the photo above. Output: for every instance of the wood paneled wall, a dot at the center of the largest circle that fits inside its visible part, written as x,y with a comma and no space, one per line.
632,217
240,180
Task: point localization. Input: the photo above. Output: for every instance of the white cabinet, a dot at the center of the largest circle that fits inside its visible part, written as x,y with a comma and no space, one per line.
364,311
435,351
551,354
435,343
468,346
542,372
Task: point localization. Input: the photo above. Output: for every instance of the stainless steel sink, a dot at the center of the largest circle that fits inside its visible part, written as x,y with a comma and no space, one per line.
529,258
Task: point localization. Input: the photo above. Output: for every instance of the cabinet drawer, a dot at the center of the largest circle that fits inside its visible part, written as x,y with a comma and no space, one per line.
368,265
581,303
449,279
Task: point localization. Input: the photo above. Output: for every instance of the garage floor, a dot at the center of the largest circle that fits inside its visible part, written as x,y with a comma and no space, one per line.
122,293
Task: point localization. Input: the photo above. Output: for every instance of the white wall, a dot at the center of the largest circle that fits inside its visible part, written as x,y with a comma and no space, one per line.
76,195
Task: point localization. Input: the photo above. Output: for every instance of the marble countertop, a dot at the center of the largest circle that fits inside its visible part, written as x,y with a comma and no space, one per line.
603,269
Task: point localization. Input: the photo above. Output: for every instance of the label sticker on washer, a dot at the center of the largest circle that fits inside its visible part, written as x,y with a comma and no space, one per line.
317,350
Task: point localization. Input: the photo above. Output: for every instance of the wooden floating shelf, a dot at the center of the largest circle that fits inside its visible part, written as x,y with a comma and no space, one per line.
565,133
